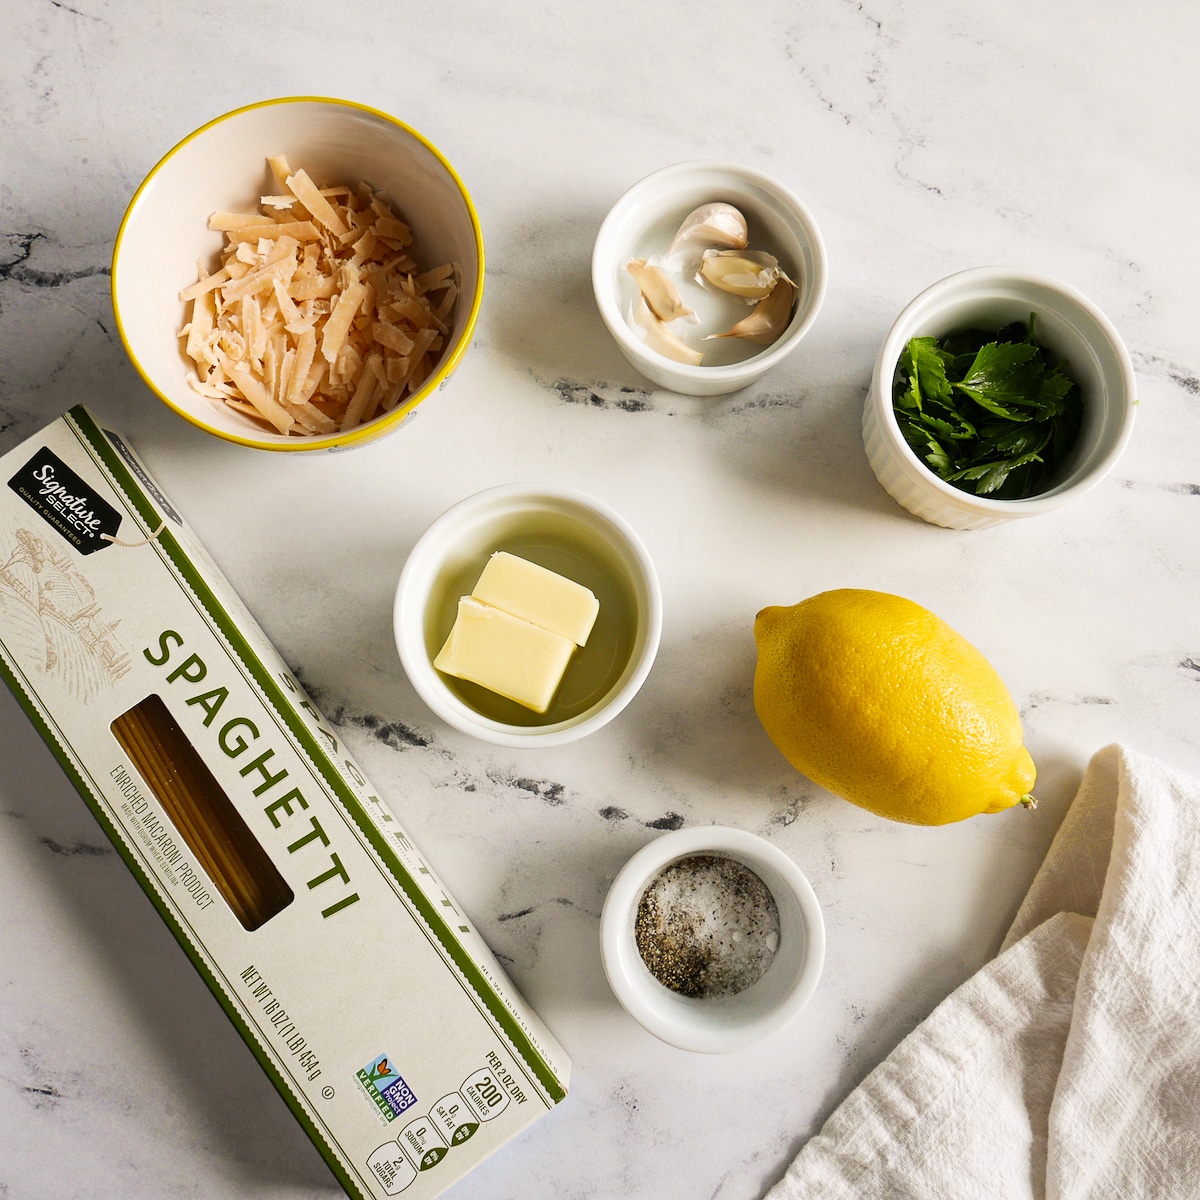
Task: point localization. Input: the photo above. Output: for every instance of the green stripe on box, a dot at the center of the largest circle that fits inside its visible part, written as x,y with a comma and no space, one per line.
91,433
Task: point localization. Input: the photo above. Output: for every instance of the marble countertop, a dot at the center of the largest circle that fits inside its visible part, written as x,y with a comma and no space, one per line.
925,139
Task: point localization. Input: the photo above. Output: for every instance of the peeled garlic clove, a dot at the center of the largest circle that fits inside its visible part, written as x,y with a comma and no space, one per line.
660,339
744,274
711,225
769,318
658,291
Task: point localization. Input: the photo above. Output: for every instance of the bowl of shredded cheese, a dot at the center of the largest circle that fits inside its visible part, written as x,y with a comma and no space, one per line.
298,274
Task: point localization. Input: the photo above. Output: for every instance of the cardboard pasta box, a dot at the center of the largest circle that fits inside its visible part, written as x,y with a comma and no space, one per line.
360,986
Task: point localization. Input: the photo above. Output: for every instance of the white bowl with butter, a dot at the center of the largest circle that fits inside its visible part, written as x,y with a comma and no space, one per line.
566,533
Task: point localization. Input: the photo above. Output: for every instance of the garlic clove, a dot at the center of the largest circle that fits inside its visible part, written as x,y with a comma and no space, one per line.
717,225
660,339
743,273
750,274
659,292
769,318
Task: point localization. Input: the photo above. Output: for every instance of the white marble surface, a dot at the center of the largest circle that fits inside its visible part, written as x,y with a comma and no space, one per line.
925,138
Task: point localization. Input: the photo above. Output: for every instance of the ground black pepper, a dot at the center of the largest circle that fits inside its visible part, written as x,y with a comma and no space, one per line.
707,926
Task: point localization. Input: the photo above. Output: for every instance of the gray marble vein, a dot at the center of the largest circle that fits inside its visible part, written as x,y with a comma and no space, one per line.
925,138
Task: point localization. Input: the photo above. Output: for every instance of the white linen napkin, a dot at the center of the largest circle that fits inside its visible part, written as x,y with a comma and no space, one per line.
1068,1068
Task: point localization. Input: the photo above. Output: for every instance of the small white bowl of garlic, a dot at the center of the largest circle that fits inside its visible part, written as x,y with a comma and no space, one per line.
708,274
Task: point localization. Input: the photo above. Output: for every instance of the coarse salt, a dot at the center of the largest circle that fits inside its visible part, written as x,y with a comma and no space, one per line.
707,926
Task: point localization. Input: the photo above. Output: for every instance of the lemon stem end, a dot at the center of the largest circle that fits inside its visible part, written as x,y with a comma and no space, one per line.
1029,801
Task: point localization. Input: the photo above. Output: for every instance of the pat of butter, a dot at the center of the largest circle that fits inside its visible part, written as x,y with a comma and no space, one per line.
505,654
539,596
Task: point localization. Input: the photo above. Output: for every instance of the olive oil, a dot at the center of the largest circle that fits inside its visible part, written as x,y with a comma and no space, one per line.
597,668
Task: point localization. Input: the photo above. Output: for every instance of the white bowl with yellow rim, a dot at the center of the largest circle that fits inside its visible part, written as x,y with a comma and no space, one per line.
222,167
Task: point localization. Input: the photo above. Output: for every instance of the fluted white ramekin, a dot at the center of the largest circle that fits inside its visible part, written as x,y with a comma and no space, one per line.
1067,323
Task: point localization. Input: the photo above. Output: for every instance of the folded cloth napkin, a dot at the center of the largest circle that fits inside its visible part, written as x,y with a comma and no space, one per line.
1069,1066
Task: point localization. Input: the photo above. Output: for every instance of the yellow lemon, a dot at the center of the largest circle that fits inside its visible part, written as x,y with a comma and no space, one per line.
881,702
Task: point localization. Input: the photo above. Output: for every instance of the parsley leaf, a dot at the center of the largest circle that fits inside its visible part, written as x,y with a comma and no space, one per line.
993,413
926,368
1000,379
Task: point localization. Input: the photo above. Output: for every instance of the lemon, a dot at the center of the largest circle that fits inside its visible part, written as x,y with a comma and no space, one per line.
881,702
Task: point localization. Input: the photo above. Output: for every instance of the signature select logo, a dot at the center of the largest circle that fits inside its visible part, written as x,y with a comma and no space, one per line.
71,506
81,515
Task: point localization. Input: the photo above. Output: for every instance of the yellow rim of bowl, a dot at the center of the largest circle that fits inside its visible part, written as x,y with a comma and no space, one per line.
362,432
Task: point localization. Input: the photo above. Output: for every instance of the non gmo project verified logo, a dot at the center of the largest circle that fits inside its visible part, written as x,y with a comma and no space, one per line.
384,1085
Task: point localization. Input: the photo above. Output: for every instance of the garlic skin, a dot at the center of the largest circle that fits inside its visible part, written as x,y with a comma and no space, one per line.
659,292
660,339
751,274
711,226
769,319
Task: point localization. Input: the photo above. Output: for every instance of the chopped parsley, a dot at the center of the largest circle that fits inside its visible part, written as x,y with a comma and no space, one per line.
992,413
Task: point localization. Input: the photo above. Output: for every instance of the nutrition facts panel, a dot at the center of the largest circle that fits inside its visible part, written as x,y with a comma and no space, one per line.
426,1140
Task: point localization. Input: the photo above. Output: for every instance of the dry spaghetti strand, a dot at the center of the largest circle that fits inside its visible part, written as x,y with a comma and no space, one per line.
196,804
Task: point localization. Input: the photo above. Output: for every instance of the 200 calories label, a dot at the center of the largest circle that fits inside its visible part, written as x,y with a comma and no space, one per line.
452,1120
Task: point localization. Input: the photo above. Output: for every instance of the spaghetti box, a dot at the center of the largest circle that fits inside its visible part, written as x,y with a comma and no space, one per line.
261,844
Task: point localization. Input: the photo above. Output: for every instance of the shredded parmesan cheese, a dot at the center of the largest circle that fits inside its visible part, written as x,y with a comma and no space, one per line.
317,318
